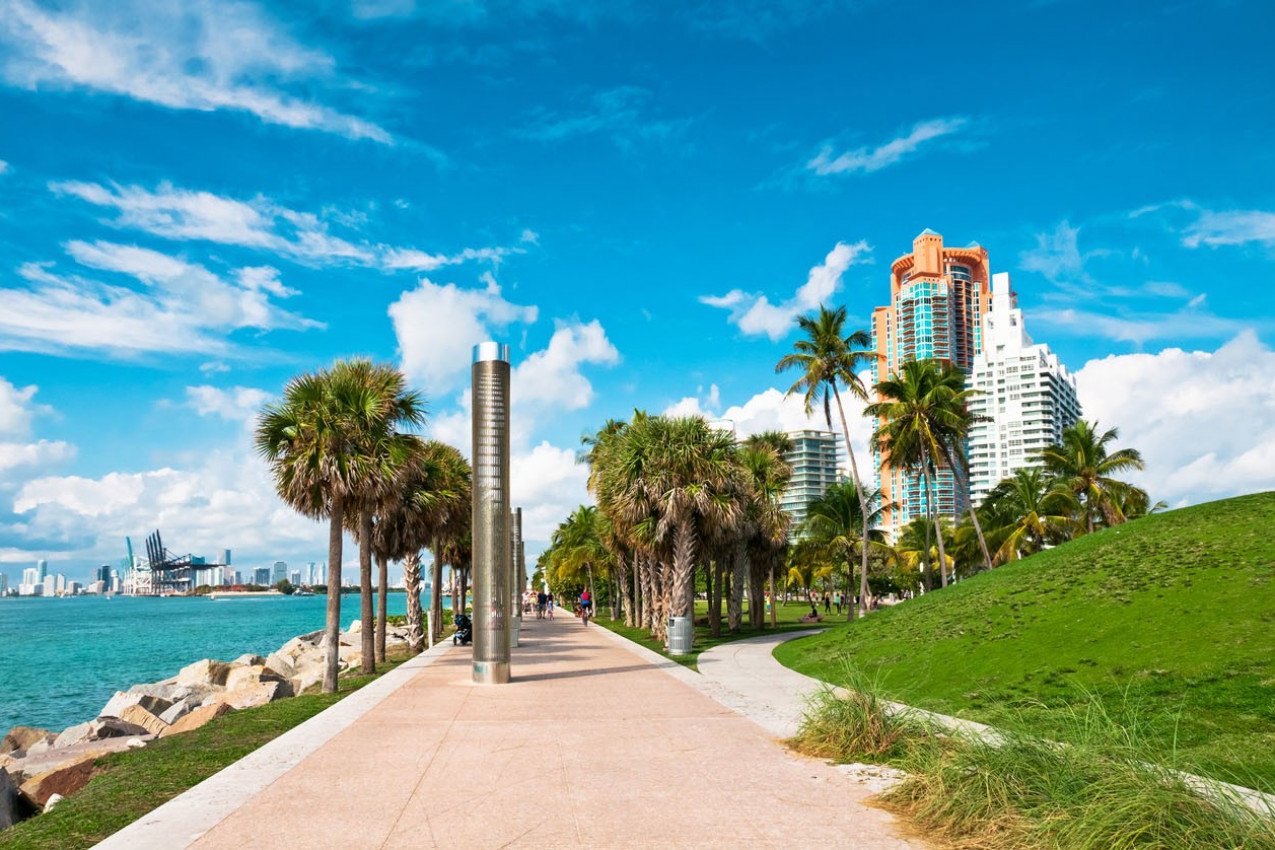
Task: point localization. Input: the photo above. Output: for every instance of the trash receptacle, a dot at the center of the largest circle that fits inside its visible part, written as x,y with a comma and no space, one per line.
681,632
515,626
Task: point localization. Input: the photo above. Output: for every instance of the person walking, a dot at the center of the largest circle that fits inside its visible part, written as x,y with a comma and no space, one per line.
549,609
827,602
542,599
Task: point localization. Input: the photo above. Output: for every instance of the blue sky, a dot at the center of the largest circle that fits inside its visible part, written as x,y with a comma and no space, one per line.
196,204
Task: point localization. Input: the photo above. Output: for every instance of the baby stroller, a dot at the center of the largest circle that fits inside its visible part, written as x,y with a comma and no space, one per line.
464,630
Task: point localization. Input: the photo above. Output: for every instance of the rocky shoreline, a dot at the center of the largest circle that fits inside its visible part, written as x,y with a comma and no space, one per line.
39,768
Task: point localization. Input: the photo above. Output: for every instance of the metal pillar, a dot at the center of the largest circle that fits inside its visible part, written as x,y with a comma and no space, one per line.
515,581
492,555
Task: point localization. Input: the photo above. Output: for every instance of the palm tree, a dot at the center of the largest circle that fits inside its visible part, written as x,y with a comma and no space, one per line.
318,441
1082,464
1030,516
449,534
923,411
827,360
835,520
386,408
763,533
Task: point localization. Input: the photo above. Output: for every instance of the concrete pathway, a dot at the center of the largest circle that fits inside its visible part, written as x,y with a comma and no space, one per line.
592,744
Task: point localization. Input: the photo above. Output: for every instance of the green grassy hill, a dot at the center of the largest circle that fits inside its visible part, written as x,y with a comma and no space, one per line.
1171,617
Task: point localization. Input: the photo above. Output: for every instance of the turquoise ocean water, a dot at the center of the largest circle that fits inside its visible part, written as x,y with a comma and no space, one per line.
62,659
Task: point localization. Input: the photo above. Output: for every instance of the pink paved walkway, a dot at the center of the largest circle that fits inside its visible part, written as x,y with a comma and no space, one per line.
590,746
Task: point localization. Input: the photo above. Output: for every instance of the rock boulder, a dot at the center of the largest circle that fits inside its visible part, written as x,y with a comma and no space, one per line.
196,718
203,673
140,716
19,739
122,700
65,779
253,695
248,660
96,730
13,806
180,709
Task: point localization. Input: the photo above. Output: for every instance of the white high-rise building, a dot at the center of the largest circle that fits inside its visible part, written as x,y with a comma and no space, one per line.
814,460
1025,396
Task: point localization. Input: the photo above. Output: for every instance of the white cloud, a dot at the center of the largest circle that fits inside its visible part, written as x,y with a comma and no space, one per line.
18,409
180,306
757,316
865,160
237,404
1192,321
4,166
437,326
33,456
183,214
1230,227
548,484
552,375
1056,255
206,56
771,410
1204,421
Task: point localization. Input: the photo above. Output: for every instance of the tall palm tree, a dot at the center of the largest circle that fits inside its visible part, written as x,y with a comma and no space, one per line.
1029,515
763,532
451,502
319,441
828,359
386,409
923,410
1084,465
835,521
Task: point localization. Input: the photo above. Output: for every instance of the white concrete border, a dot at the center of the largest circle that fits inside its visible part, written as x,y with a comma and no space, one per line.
185,818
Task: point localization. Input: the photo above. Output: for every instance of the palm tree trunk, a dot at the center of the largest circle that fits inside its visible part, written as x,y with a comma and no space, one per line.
773,612
863,504
715,575
933,510
456,591
332,626
963,474
382,603
365,591
436,598
850,614
756,593
739,575
412,583
926,572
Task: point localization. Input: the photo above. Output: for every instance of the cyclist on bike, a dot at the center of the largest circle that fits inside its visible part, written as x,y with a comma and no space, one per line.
586,606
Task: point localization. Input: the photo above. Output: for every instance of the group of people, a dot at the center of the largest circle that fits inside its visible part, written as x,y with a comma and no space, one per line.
545,604
542,602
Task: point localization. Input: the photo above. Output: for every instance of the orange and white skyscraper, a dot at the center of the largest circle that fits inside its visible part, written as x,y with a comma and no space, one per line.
938,297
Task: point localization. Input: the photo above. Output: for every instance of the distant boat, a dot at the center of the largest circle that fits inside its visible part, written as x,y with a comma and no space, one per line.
245,594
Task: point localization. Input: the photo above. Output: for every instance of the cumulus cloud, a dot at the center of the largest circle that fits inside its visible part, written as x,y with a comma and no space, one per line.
437,326
179,306
771,410
18,409
181,214
237,404
548,484
754,313
866,160
1203,420
205,56
552,375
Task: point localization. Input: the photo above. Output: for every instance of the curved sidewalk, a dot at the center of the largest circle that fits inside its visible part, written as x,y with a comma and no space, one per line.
589,745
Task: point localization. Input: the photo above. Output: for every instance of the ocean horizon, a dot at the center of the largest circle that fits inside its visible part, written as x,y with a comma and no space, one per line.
63,658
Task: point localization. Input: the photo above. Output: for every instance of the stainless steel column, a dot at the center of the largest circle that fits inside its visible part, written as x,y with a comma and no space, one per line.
515,583
492,567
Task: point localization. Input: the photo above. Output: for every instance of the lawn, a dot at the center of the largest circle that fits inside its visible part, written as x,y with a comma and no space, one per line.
1169,620
134,782
787,618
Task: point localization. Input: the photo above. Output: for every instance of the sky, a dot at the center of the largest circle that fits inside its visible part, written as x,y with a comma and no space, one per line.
200,200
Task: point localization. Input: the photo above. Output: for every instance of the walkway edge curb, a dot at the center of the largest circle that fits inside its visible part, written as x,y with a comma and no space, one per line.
184,819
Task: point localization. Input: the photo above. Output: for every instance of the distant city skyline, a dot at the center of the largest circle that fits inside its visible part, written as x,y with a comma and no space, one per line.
639,198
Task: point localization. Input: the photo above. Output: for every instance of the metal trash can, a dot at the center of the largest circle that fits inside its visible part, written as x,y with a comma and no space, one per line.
515,626
681,633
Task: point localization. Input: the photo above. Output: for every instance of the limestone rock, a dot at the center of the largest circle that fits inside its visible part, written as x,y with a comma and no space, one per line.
356,627
196,718
25,768
204,672
96,730
307,677
180,709
251,696
122,700
281,665
54,799
20,738
147,720
65,779
242,677
13,806
248,660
